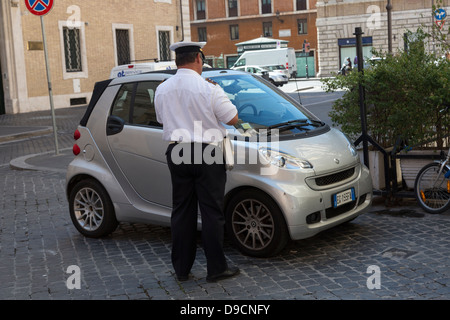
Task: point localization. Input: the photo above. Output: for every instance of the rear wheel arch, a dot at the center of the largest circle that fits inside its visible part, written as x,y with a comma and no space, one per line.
90,206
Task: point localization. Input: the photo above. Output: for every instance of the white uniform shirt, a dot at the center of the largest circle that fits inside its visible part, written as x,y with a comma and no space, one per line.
192,109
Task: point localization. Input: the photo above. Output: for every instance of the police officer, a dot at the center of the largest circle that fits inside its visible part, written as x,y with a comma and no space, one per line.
188,106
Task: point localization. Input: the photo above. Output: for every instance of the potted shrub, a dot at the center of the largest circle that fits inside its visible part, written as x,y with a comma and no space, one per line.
405,94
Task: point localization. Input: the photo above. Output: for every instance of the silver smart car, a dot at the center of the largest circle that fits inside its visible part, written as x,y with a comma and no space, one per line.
294,176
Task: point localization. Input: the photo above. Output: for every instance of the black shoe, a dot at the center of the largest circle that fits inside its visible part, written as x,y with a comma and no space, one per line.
228,273
184,278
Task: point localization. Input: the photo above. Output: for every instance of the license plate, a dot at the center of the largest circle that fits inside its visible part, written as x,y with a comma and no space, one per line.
344,197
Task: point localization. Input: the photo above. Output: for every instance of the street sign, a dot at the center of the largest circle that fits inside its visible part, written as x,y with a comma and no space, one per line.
440,15
39,7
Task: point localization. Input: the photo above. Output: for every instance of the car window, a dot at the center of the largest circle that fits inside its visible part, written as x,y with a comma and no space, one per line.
144,104
122,104
241,63
259,105
135,103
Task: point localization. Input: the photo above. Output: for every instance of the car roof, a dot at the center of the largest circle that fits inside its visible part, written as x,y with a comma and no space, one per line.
252,66
164,74
161,75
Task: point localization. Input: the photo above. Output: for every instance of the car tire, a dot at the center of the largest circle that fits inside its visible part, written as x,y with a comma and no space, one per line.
91,209
256,224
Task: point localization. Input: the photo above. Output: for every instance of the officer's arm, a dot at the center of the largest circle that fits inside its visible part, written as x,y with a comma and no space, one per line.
234,120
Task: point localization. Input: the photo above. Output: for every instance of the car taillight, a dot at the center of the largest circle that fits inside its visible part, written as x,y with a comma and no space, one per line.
77,134
76,149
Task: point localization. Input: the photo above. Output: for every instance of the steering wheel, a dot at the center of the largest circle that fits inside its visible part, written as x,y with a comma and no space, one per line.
248,105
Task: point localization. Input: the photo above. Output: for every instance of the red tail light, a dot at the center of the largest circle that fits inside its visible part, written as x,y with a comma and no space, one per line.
76,149
76,135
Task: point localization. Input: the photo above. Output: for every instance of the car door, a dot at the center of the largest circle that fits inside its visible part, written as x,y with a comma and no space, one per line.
137,145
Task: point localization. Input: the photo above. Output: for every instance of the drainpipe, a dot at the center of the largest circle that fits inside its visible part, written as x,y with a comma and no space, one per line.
182,20
389,16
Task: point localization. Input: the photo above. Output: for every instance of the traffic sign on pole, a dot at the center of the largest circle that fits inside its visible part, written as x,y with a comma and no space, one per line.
41,8
440,15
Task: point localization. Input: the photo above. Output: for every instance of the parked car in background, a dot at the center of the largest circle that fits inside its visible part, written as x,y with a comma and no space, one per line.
283,56
277,78
294,176
277,68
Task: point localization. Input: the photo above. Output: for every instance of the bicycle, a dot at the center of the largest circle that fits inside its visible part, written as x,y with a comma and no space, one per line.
432,184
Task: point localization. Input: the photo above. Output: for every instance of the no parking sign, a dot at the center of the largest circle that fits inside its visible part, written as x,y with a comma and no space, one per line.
39,7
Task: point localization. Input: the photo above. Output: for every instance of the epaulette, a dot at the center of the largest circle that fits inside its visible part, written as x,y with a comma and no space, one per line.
211,81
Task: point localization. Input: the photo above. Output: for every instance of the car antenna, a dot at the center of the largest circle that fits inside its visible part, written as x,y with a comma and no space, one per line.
298,91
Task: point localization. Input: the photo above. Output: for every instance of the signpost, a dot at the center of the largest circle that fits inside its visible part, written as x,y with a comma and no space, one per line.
41,8
440,15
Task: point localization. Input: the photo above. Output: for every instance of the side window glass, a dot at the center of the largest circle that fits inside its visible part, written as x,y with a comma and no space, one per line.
144,104
122,103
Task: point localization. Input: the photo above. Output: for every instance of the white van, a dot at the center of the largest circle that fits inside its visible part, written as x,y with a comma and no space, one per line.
132,69
282,56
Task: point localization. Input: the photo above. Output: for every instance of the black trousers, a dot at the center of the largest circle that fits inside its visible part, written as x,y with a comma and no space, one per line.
196,185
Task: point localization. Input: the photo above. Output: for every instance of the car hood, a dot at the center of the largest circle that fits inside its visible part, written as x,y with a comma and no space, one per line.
327,152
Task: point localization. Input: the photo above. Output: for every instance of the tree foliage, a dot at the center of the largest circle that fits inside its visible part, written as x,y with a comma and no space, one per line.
404,96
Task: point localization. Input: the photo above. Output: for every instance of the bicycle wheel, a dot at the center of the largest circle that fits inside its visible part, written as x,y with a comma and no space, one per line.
432,190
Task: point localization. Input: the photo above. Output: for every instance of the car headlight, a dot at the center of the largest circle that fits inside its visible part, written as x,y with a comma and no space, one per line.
283,160
351,146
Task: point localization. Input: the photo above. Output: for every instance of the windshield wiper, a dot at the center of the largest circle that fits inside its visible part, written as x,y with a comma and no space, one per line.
299,123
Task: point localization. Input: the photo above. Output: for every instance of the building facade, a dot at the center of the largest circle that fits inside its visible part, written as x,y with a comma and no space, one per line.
337,20
85,40
225,23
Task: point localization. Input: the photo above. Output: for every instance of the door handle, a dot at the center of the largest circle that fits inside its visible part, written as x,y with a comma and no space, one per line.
114,125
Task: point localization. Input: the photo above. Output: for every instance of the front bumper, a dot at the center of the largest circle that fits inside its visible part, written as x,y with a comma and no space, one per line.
311,212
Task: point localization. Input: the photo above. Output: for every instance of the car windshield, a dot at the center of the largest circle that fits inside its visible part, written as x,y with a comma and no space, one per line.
261,107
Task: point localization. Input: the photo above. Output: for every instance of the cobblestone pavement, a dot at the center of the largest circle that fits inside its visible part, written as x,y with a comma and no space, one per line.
396,252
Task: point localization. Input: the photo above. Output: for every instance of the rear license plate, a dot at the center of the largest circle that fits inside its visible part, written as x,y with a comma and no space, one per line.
343,197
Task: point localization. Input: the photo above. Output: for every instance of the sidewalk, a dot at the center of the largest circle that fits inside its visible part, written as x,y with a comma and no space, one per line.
10,133
49,161
27,141
296,85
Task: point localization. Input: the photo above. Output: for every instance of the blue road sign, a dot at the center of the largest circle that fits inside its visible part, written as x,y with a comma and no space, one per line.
440,14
